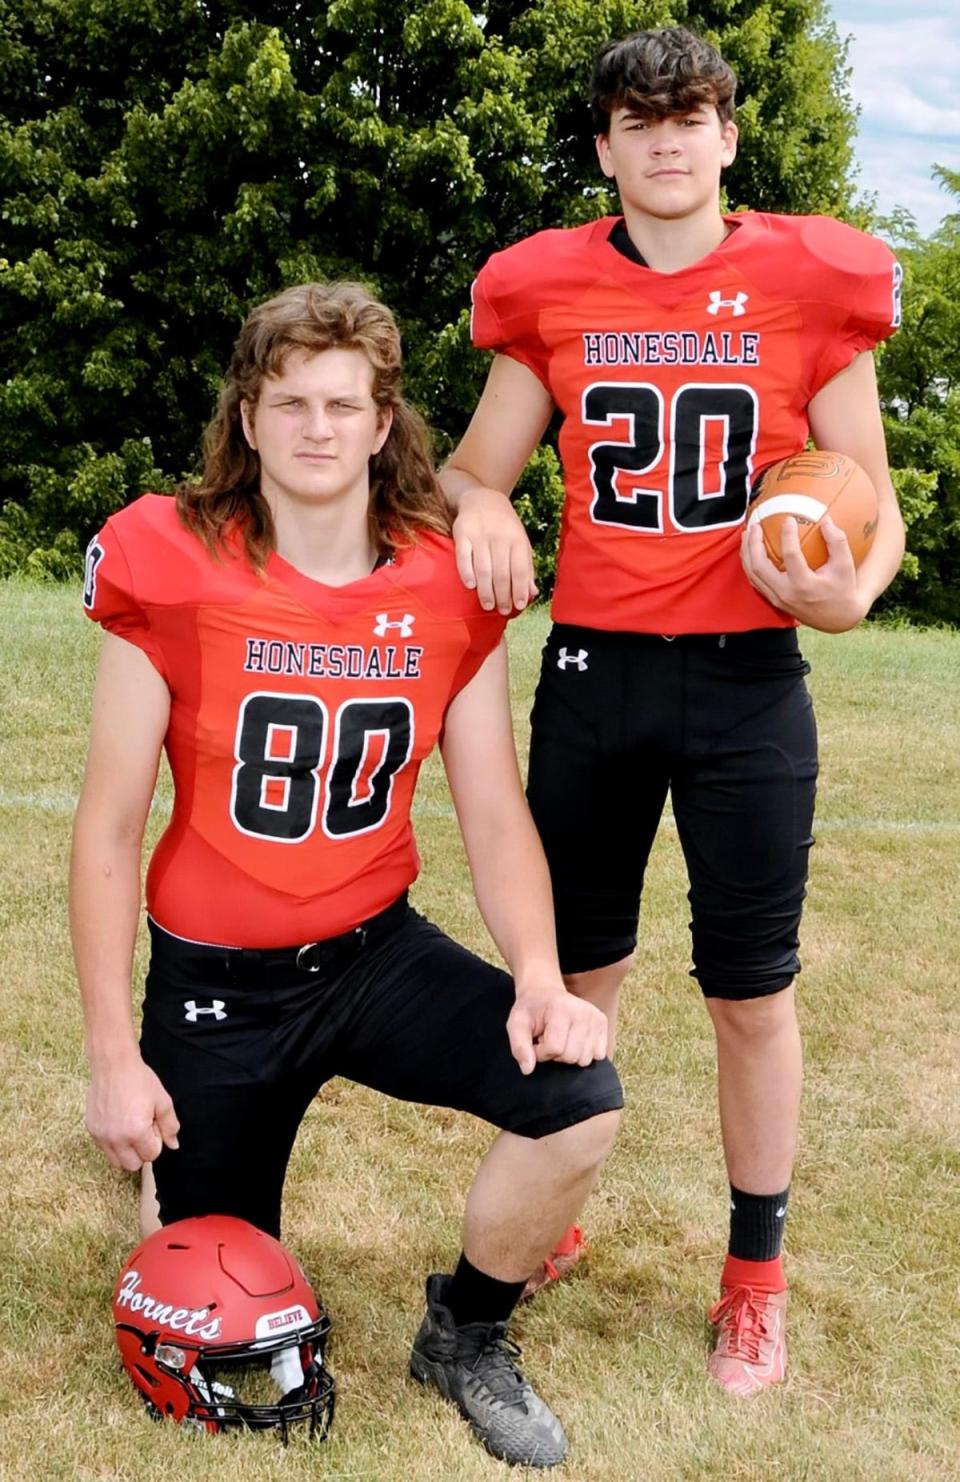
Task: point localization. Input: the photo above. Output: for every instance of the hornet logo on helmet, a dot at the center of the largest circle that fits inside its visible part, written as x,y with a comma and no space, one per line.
197,1323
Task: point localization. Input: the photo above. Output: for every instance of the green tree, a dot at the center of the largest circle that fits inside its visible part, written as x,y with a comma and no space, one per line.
163,167
920,388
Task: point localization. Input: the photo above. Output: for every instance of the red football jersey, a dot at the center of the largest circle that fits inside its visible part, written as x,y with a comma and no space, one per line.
676,391
300,714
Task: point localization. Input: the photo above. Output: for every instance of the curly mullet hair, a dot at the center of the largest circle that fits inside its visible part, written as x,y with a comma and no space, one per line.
657,74
404,493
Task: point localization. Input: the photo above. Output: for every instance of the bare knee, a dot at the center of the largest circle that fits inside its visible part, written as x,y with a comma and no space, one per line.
751,1022
583,1148
601,985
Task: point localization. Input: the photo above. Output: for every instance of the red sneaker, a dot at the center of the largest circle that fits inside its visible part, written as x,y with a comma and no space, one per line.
569,1249
751,1349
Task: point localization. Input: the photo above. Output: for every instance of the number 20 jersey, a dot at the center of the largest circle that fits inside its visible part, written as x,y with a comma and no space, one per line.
676,391
300,714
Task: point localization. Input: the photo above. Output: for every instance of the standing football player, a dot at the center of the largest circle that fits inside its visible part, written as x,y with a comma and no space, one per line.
685,350
293,632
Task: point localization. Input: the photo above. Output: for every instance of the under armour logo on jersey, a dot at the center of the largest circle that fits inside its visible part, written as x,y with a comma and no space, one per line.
579,658
735,305
193,1012
405,625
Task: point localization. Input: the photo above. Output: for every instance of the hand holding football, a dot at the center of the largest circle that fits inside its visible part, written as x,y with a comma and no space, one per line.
809,486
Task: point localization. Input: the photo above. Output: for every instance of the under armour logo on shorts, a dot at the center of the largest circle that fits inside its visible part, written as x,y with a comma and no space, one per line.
735,304
579,658
193,1012
405,625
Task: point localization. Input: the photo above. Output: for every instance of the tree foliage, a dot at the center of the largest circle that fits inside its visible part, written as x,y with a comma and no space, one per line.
165,166
920,390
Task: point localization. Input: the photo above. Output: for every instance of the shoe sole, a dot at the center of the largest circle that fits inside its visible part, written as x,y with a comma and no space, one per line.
424,1372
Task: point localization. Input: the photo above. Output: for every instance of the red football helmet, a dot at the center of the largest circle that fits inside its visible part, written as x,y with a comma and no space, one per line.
210,1310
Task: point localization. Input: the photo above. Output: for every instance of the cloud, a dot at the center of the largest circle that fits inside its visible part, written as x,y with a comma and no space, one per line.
905,68
857,11
890,169
905,74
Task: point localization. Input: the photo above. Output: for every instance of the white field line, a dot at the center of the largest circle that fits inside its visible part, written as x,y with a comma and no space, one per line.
874,825
41,802
52,802
430,809
47,802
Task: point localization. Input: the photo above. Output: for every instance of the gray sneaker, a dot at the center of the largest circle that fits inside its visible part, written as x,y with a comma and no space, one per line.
475,1367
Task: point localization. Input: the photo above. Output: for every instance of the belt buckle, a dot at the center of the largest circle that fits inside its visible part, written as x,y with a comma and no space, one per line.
336,947
303,965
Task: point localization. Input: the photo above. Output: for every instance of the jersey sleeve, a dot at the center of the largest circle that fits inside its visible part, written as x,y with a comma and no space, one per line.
505,308
486,630
110,597
856,301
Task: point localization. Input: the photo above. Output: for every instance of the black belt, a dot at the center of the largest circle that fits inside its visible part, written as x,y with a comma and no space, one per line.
750,639
310,957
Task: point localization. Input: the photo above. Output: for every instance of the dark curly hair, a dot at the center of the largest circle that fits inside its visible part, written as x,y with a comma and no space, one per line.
659,73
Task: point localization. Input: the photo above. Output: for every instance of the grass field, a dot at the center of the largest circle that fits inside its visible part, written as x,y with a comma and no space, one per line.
375,1188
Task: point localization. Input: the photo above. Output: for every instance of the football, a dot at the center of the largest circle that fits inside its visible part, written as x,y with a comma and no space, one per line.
809,486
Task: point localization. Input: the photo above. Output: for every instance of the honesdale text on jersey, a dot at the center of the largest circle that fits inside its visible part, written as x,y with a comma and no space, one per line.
671,347
333,660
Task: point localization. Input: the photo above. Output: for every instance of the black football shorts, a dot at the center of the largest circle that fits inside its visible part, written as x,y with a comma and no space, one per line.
724,725
244,1040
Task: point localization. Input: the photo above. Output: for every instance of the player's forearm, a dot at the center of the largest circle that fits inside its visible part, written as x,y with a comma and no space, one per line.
512,886
503,848
457,480
885,556
104,911
510,419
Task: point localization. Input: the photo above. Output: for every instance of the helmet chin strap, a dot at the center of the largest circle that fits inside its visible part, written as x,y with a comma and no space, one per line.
286,1370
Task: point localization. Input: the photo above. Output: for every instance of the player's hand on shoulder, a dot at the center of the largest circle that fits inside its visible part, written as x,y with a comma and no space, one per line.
130,1116
551,1024
493,552
828,599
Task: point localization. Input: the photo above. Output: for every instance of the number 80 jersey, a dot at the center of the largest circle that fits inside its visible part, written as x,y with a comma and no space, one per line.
676,391
300,714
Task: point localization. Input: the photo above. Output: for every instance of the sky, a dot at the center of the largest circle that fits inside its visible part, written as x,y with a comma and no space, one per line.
906,79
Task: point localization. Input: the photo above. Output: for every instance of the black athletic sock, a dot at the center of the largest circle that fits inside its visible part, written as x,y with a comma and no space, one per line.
756,1224
472,1296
